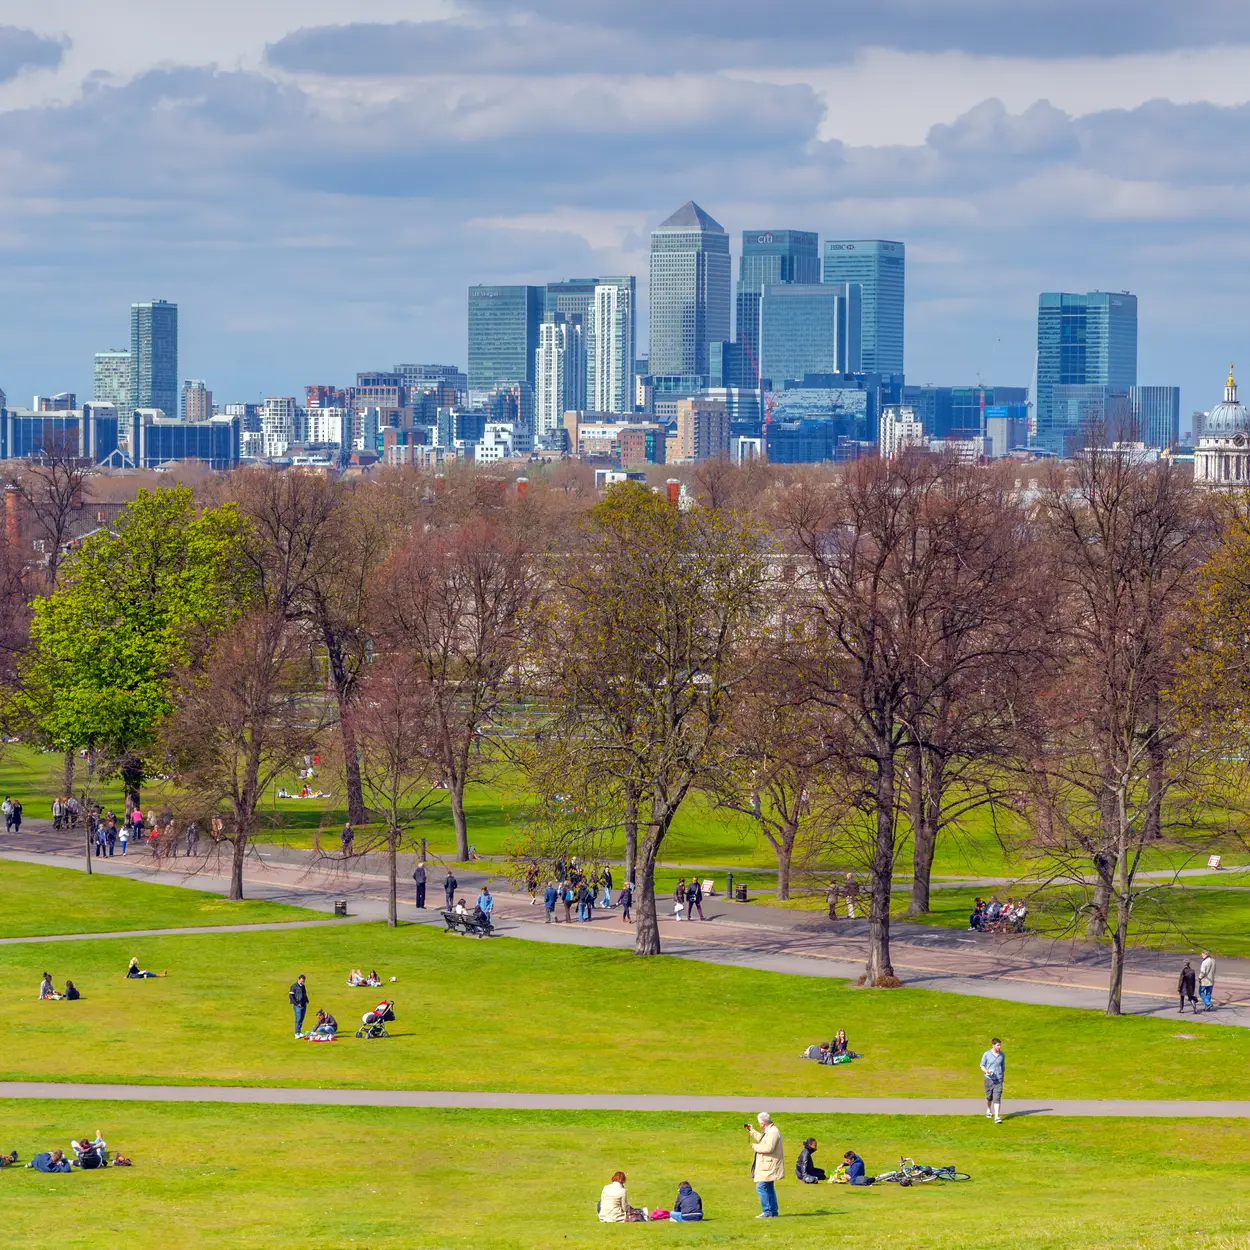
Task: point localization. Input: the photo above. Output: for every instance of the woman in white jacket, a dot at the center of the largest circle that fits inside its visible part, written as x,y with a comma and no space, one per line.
614,1205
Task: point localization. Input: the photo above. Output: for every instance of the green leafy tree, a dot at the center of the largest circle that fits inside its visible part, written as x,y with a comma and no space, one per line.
132,605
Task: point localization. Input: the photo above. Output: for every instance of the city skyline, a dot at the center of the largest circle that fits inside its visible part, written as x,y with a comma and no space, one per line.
1028,155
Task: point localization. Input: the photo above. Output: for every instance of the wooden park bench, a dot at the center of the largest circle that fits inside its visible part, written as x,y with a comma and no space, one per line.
467,925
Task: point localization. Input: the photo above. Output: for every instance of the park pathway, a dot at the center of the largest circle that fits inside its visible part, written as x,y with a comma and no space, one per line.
1022,968
745,1105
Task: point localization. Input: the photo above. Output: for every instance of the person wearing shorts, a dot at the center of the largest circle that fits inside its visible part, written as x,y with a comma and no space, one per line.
994,1068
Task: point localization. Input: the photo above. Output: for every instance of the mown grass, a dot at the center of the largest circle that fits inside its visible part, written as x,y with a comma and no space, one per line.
38,899
271,1177
509,1014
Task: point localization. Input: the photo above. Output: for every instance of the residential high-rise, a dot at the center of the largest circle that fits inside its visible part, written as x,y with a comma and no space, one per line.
769,258
610,347
899,428
702,429
278,425
879,267
808,329
197,401
1156,414
1086,358
503,336
112,379
551,375
690,278
154,356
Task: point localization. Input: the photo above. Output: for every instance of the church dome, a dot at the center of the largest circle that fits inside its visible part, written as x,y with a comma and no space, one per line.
1230,417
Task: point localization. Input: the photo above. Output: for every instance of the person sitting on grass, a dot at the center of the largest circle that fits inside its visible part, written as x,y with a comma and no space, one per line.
326,1026
71,992
49,1161
135,972
804,1169
374,979
818,1051
46,989
851,1171
687,1206
613,1205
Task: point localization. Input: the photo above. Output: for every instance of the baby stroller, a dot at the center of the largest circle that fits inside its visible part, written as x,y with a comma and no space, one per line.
373,1023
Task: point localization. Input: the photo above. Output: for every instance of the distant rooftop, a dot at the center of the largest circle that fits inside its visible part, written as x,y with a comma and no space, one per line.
691,217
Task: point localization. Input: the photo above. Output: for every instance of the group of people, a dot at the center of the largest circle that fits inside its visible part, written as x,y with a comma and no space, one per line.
836,1051
12,809
357,978
66,812
851,1171
85,1153
326,1027
481,910
998,917
688,898
848,890
49,993
614,1206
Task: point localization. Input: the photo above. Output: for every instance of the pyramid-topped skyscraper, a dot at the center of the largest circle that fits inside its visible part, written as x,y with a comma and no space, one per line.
690,278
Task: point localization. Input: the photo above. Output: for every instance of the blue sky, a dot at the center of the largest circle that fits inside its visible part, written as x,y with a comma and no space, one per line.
316,182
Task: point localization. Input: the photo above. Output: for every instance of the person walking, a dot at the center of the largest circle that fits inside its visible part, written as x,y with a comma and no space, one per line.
418,876
679,897
550,894
626,901
1186,983
58,811
17,815
851,891
486,901
831,900
768,1165
7,808
994,1068
193,840
449,889
607,888
299,1002
123,836
100,841
347,837
694,899
1206,978
566,897
110,836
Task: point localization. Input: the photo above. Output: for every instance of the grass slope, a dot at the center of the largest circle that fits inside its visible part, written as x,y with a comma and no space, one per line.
517,1015
274,1177
39,900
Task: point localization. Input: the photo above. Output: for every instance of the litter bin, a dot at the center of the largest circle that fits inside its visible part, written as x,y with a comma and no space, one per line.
340,907
740,894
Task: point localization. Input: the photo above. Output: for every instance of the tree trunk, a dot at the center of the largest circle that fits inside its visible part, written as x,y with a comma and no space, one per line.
646,921
392,910
236,867
922,836
67,780
1119,944
631,831
87,835
455,787
132,780
356,813
1097,925
785,856
882,871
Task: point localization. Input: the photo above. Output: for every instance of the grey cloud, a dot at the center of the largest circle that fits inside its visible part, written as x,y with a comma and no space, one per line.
24,49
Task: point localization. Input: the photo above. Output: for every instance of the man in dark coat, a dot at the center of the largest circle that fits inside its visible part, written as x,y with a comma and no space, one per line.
418,875
804,1169
1186,987
449,889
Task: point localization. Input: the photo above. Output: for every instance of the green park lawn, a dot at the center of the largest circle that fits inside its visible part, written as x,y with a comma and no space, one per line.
36,899
272,1177
508,1014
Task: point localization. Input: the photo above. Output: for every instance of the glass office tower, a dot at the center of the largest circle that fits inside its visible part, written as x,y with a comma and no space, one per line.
879,267
503,336
769,258
154,356
1156,414
1086,341
690,274
806,329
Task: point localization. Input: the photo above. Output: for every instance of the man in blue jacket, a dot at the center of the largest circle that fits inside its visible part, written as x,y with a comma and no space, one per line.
688,1207
550,894
853,1167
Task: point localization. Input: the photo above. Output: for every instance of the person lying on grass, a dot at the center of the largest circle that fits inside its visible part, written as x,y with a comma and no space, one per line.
7,1161
818,1051
134,972
49,1161
356,978
90,1154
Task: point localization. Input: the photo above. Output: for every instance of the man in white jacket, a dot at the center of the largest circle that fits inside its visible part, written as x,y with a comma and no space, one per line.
770,1163
1206,979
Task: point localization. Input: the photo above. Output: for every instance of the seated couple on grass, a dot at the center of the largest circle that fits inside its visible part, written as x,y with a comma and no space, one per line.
613,1205
836,1051
324,1030
48,991
850,1171
357,978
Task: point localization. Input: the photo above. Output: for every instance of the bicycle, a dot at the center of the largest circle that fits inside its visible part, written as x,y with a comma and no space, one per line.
909,1172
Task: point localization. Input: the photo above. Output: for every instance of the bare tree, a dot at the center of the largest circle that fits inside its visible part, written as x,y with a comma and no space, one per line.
1126,539
50,486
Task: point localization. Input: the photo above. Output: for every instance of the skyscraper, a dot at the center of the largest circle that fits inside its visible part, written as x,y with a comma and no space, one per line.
112,379
551,377
197,401
610,347
808,329
769,258
879,266
503,336
1156,414
1086,359
690,272
154,356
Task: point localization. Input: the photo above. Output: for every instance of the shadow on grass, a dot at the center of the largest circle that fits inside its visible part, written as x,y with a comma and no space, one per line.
1015,1115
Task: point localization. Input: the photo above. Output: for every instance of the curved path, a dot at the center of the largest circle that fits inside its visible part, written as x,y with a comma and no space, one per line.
486,1100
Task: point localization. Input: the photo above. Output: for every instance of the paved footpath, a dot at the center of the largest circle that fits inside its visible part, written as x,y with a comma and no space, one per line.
1016,968
486,1100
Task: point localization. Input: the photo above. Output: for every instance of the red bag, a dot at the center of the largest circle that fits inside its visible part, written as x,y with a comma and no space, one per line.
660,1214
